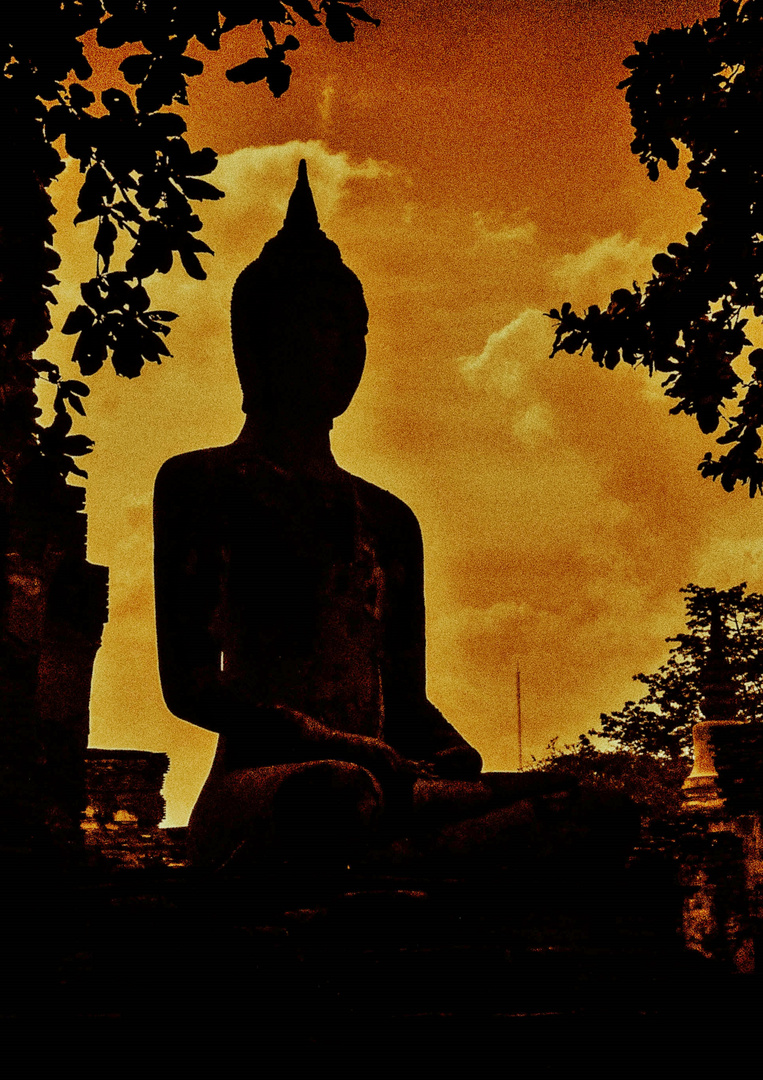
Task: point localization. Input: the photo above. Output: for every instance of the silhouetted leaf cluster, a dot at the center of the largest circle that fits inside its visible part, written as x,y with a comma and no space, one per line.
701,88
660,724
56,441
140,177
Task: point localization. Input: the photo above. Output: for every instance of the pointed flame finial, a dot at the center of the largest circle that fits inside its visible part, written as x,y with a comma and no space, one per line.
301,215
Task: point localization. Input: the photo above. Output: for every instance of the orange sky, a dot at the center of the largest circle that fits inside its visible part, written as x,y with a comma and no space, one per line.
472,161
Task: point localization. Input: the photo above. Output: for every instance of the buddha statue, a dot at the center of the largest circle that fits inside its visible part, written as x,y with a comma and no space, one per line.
290,593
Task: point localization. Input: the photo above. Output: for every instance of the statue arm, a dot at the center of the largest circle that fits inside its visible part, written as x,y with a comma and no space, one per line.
188,575
413,725
186,585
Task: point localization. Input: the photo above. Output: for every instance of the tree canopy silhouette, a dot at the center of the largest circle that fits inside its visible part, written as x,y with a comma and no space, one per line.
140,177
660,724
700,88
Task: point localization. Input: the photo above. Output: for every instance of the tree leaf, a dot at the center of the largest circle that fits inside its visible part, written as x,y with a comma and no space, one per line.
278,78
92,295
104,240
339,18
189,65
80,96
708,419
118,103
202,162
74,386
81,67
135,68
79,319
165,123
191,264
57,121
127,361
97,188
199,189
338,23
78,445
70,467
305,10
90,352
41,366
250,71
113,32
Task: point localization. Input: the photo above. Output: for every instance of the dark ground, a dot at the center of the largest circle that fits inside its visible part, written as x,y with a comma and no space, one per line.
293,964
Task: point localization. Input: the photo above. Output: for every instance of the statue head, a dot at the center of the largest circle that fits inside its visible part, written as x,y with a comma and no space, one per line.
299,320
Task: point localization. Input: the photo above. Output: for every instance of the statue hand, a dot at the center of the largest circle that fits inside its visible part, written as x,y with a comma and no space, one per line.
457,763
387,765
426,771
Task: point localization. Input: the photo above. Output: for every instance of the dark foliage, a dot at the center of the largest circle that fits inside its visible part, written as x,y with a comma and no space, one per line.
650,740
738,756
140,178
654,784
700,88
660,724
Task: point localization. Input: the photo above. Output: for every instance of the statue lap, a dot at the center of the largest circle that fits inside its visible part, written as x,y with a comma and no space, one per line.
332,808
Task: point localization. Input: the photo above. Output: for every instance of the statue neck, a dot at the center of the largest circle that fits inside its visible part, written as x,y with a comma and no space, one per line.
305,448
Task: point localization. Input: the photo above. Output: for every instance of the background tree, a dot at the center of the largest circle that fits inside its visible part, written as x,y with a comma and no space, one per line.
705,670
714,671
700,88
654,784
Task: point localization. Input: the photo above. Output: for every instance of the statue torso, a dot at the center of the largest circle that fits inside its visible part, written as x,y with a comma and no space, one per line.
302,594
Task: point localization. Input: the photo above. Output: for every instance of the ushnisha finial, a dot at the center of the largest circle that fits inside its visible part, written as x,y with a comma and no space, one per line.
301,215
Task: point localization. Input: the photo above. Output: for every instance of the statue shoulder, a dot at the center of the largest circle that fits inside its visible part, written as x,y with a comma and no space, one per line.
394,517
195,469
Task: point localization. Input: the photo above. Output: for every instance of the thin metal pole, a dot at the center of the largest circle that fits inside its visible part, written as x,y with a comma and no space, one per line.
519,717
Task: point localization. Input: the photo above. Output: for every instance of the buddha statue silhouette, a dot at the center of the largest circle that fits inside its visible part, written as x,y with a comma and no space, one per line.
290,594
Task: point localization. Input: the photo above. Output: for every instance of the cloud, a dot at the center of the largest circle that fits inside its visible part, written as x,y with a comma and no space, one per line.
263,177
325,103
603,266
508,353
488,230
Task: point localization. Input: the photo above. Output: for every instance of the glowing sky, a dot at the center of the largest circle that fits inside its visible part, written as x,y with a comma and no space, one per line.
472,161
